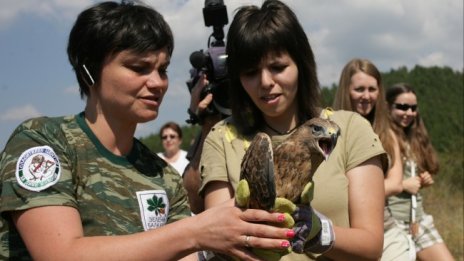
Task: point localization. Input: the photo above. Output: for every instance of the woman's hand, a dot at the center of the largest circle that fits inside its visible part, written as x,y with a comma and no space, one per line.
426,179
412,185
233,231
198,106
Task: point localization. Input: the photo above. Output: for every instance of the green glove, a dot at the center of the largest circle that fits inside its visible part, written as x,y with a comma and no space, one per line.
242,198
242,194
282,205
309,233
306,222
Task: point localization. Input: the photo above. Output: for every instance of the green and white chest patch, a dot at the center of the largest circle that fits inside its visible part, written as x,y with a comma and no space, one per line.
38,168
154,208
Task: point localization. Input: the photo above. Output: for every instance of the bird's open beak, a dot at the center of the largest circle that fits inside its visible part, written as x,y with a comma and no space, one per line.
328,145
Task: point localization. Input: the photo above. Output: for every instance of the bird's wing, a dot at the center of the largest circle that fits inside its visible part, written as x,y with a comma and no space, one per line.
297,158
258,169
293,169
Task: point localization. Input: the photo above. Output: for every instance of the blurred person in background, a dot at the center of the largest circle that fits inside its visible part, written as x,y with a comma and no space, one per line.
417,156
171,139
360,90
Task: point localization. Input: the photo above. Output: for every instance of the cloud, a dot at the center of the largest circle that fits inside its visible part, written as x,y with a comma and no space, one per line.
10,11
432,59
20,113
74,90
390,33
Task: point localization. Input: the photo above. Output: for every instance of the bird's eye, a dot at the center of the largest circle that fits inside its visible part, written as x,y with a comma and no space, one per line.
316,128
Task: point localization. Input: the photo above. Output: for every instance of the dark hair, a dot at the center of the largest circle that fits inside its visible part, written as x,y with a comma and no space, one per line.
253,34
415,136
171,125
108,28
397,89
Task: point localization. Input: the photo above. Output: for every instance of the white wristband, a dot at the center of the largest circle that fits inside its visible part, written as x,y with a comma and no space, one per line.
326,237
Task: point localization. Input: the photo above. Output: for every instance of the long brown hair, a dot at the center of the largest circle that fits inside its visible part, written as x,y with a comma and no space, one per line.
415,135
378,117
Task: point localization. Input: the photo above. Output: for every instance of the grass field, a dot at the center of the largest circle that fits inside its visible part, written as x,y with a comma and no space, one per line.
445,202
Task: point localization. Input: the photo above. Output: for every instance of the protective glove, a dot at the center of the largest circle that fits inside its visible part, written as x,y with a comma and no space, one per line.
242,194
313,231
282,205
242,197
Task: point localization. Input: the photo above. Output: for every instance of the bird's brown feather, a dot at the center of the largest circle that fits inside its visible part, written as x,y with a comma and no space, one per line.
284,170
258,169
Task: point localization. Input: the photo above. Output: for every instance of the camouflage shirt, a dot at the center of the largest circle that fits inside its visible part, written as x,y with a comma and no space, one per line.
60,162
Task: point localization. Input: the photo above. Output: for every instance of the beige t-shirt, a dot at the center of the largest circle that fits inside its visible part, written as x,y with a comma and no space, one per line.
224,149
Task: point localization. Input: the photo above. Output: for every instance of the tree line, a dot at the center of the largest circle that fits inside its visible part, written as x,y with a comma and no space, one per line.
440,93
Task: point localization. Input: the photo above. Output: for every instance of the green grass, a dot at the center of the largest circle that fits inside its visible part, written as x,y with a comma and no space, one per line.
445,202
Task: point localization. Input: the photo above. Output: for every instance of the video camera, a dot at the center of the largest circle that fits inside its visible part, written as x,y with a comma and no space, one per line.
212,62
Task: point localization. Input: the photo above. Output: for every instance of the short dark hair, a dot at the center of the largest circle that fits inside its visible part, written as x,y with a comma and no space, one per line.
108,28
171,125
256,32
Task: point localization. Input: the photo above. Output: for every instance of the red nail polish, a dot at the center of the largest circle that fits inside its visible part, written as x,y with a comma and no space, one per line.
281,217
290,234
285,244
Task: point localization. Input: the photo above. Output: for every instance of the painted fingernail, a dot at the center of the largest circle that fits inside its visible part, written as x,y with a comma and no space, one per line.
281,217
285,244
290,234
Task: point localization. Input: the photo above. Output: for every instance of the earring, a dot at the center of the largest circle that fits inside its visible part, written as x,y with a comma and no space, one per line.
88,74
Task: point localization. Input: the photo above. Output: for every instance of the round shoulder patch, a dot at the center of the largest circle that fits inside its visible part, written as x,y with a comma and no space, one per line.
38,168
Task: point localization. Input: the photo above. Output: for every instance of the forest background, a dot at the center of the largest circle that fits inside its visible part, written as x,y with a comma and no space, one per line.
440,92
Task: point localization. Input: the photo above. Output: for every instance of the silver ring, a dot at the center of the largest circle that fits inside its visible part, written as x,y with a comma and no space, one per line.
247,240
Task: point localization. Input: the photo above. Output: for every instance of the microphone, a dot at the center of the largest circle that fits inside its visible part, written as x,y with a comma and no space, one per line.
198,59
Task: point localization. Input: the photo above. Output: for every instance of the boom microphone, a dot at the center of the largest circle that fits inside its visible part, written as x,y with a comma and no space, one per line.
198,59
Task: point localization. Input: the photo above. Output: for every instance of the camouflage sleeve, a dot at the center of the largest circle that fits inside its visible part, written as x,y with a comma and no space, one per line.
180,208
35,167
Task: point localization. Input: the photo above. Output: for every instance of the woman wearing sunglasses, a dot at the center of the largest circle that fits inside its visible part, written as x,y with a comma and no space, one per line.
418,156
171,138
360,89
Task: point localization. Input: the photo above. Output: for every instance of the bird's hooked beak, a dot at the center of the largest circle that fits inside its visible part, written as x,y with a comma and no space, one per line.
327,145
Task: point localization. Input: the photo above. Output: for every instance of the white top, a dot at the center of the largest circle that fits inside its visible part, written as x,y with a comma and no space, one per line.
181,162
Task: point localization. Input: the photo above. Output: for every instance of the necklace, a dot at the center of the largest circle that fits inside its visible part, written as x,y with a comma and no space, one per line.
279,132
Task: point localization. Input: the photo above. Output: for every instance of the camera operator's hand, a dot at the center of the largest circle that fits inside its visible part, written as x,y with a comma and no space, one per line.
197,106
191,175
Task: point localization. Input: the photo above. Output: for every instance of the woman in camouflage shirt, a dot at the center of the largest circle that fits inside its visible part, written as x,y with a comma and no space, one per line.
82,187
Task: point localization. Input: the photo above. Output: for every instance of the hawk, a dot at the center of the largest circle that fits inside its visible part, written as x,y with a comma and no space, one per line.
283,171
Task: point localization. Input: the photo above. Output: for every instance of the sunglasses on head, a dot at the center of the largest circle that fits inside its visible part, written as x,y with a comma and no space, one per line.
405,107
165,137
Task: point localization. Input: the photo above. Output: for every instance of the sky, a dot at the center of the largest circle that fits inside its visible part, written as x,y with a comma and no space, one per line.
36,78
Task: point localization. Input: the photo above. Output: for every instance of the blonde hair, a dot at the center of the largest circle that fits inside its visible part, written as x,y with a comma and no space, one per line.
379,116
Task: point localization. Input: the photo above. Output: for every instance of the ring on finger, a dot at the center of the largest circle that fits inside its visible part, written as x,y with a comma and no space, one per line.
247,241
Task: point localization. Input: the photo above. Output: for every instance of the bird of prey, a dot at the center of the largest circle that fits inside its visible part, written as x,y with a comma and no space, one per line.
283,171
